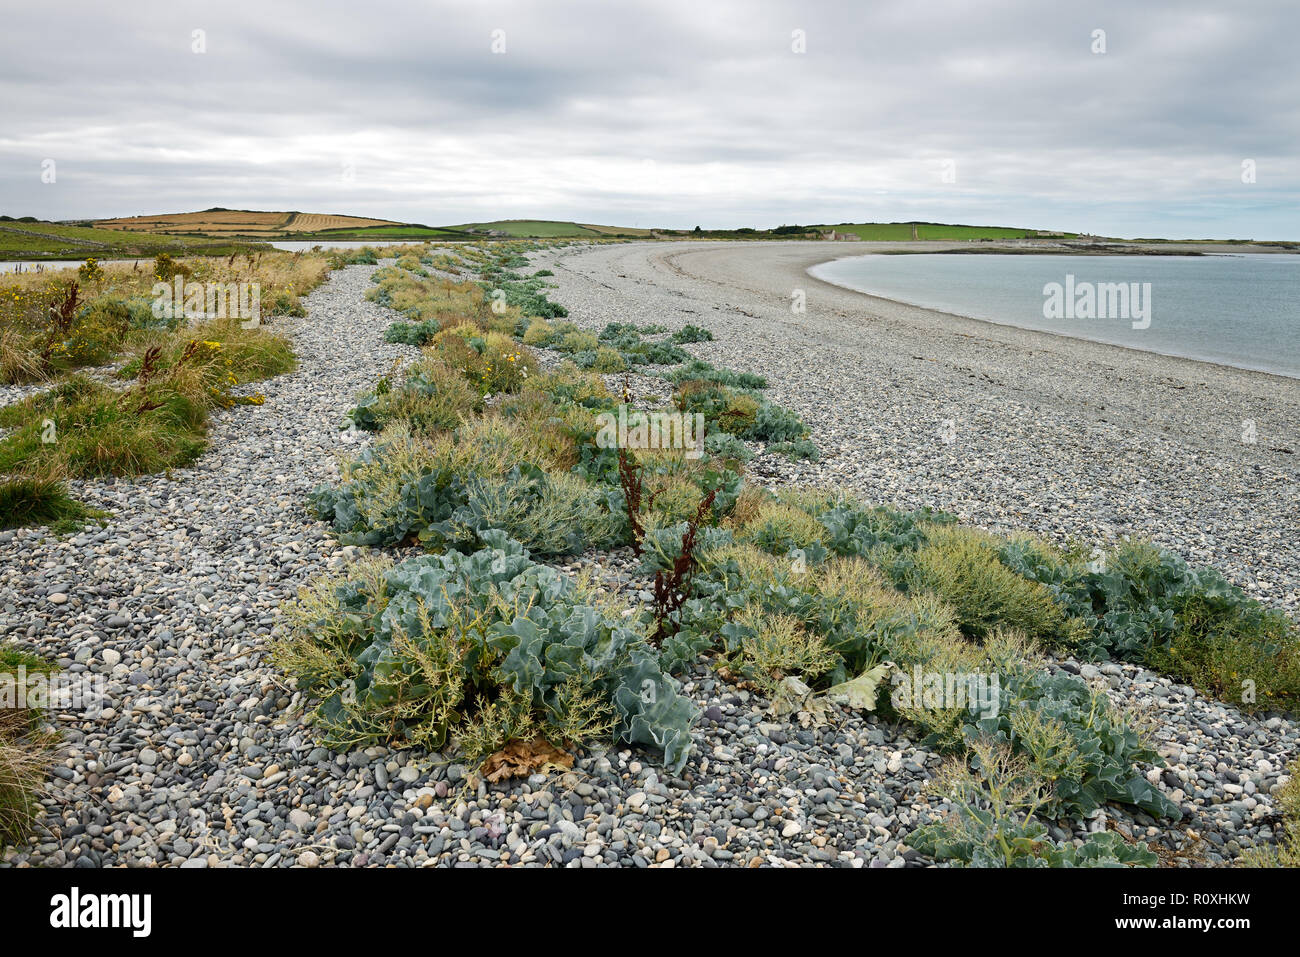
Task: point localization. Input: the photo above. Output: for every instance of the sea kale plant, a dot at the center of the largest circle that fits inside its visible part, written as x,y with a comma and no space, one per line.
996,798
477,650
1146,604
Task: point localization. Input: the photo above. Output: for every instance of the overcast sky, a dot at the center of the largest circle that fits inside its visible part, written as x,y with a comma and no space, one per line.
667,113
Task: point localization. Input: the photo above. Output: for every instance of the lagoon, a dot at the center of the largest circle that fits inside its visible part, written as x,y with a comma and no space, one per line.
1240,310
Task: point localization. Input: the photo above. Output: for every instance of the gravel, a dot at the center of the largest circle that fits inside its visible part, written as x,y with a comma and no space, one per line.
1061,437
200,757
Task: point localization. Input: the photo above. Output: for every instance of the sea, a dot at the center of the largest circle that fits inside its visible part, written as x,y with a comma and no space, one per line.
1240,310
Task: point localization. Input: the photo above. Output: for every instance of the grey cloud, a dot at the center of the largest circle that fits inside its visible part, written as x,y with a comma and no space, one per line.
672,113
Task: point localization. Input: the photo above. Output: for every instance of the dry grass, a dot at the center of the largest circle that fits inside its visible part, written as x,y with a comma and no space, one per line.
32,347
25,751
314,222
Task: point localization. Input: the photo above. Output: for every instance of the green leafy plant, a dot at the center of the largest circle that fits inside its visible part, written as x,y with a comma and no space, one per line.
996,796
1145,604
692,333
410,655
412,333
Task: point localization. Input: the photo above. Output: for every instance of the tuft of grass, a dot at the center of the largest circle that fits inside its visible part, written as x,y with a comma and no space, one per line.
961,566
578,341
25,751
27,501
779,528
82,429
771,647
1286,853
20,361
608,361
232,356
538,333
433,397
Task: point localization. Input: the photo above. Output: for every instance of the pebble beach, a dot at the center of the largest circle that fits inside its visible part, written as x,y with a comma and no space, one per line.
201,758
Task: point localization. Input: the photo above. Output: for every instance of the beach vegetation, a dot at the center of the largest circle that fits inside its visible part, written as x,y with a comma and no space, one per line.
477,649
806,584
26,750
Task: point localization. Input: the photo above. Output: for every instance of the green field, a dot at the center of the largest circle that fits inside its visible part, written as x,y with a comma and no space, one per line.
531,229
415,233
550,229
41,240
89,234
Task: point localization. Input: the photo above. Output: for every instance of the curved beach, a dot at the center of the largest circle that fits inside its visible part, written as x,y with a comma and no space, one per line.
1011,428
203,759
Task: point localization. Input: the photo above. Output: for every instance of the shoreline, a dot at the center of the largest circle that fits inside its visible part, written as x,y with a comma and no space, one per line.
895,308
1071,440
181,636
886,300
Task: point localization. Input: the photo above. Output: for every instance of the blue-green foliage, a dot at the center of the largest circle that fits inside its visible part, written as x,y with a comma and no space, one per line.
365,256
1104,745
703,371
444,508
530,632
123,314
1147,605
412,333
800,449
525,294
985,839
692,333
1102,750
628,340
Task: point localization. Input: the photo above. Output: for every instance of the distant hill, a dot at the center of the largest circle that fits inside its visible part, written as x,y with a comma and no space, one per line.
35,239
255,224
549,229
216,228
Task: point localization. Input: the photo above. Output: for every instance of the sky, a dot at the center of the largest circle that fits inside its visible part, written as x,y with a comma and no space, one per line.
1162,119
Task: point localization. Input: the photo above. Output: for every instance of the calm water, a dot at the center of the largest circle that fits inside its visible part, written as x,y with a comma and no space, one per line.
292,246
1237,310
10,265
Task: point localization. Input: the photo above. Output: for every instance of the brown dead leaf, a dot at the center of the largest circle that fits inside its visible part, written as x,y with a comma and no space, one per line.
518,759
